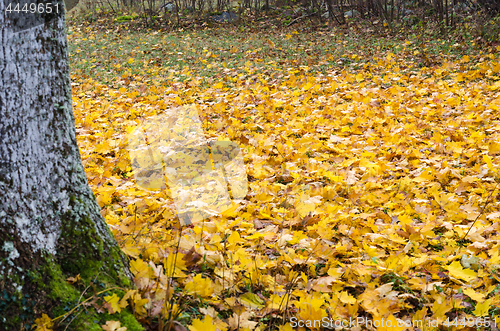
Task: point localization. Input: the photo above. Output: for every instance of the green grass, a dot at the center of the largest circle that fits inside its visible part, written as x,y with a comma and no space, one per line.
106,55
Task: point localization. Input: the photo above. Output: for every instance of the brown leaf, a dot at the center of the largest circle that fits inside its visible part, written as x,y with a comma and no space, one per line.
191,257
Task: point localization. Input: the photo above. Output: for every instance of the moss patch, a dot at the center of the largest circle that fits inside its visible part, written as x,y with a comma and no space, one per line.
34,283
97,259
82,248
85,317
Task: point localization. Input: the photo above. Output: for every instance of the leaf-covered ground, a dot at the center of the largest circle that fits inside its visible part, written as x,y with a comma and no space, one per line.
372,165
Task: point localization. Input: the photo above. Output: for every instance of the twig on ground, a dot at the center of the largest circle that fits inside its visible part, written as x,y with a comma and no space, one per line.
299,18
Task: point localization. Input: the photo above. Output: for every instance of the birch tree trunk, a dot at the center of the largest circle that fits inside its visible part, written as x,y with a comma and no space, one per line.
50,224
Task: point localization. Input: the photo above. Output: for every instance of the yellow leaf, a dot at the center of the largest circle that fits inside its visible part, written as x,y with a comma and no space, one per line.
123,301
102,148
441,308
310,308
335,272
425,176
276,302
494,147
306,205
112,305
206,325
251,300
482,308
307,86
179,267
43,323
234,238
200,286
495,86
347,298
474,295
304,208
141,269
487,160
131,251
286,327
370,250
456,270
139,304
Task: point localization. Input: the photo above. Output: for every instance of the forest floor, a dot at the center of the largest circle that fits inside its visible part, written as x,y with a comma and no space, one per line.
372,163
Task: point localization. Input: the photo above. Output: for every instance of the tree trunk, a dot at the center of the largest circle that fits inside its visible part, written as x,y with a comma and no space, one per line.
50,224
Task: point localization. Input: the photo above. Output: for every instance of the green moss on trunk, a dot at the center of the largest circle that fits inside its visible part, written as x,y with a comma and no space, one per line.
35,282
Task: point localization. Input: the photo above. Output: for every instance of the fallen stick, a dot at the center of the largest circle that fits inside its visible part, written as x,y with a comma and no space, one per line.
299,18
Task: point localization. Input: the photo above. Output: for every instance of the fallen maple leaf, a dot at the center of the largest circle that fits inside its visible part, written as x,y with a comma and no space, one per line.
206,324
456,270
113,326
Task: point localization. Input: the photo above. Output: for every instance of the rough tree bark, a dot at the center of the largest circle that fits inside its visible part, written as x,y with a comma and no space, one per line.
50,224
